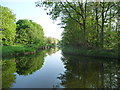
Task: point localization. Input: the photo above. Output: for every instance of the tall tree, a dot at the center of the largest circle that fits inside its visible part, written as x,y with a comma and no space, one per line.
96,21
7,26
72,10
105,7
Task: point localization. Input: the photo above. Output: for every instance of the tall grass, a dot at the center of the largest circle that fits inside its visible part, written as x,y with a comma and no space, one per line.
10,50
20,48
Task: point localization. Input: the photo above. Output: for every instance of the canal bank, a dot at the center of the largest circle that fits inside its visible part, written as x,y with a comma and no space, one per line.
22,49
96,53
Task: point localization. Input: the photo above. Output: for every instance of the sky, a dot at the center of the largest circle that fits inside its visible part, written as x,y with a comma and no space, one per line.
26,9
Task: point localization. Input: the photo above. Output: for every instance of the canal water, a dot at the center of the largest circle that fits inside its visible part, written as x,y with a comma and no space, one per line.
54,69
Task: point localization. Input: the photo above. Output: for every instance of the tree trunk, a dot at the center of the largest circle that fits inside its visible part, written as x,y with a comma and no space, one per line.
84,26
84,34
96,17
102,27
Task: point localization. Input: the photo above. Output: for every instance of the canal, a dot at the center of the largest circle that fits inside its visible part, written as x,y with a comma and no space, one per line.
54,69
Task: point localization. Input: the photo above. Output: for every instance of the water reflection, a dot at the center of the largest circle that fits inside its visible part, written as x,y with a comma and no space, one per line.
22,65
52,50
28,64
76,72
8,69
83,72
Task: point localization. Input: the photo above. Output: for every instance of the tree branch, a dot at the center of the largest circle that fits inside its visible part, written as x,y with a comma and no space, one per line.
110,18
70,14
100,25
74,9
108,8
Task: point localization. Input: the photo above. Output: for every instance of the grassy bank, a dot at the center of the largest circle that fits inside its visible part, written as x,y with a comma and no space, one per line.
100,53
20,49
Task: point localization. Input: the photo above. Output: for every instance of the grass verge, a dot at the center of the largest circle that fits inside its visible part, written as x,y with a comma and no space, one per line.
101,53
12,50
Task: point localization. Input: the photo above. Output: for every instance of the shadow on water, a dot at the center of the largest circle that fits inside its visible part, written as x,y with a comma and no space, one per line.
22,65
84,72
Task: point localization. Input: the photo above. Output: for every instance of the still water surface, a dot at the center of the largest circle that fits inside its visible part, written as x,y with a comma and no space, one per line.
54,69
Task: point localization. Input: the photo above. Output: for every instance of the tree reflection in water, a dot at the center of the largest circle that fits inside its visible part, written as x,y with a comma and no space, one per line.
22,65
52,50
28,64
8,69
81,72
84,72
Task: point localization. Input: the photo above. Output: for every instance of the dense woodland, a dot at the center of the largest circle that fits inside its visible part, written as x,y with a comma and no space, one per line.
86,24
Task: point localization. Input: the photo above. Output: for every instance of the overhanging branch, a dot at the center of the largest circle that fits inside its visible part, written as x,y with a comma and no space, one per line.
70,14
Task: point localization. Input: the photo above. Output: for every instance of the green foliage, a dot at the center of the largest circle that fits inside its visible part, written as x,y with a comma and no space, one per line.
12,50
72,34
51,40
100,53
7,26
28,32
89,24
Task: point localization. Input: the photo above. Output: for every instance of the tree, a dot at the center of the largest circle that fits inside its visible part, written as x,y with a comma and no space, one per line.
8,26
28,32
86,24
51,40
72,10
105,7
